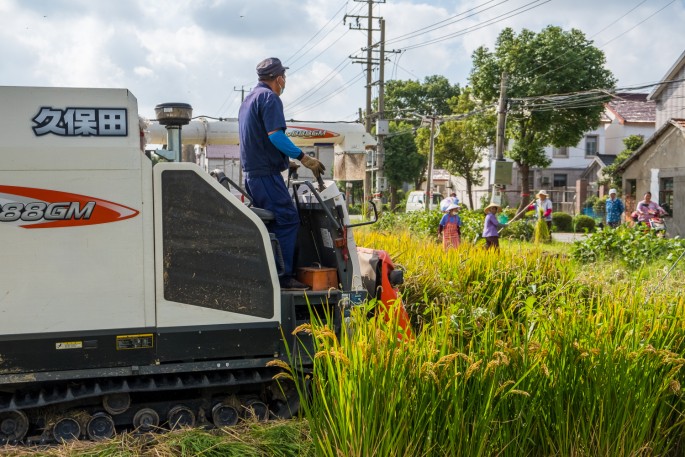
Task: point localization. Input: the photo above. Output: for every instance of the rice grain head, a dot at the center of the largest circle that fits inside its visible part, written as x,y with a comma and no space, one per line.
472,369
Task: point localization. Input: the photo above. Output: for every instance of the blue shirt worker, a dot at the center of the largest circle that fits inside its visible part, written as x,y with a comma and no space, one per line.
265,152
614,209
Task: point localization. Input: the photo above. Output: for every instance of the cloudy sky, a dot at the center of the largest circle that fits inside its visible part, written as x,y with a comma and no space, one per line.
203,52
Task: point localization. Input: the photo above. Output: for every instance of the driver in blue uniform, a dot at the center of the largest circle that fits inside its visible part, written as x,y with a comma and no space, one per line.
265,152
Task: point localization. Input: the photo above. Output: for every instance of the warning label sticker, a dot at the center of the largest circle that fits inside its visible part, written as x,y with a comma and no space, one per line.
142,341
69,345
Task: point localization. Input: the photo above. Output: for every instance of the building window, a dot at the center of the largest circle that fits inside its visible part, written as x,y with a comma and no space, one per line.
560,153
666,194
591,145
560,180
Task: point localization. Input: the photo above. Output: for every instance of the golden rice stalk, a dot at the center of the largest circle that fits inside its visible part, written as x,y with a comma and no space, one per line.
278,363
504,386
304,328
334,354
533,347
501,357
325,333
282,375
427,371
674,386
490,367
519,392
474,366
464,357
544,369
447,359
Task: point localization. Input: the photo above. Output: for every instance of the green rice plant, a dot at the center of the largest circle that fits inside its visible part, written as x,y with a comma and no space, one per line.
541,234
516,354
633,247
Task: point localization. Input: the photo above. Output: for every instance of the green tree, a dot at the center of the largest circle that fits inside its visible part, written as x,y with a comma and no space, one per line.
403,163
538,66
610,173
461,143
402,98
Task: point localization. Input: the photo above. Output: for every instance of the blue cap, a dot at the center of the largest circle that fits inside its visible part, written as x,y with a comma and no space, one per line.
271,67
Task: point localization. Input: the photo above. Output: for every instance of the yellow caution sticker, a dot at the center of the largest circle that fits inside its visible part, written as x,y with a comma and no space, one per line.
69,345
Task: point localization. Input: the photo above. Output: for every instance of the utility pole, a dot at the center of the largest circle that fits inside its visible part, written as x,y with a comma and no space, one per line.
242,92
501,117
429,173
381,125
496,165
369,61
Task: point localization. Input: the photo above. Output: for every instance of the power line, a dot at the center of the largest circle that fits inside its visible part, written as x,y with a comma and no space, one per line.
316,56
436,26
290,58
611,40
329,96
318,86
486,23
603,29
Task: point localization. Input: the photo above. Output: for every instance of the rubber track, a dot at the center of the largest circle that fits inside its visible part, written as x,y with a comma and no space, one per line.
64,392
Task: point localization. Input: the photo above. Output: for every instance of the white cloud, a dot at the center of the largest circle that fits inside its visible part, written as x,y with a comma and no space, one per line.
205,51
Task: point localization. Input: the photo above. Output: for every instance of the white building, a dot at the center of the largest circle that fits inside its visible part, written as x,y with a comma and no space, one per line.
574,171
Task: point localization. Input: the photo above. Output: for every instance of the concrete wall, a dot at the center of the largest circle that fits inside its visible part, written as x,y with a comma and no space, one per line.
615,133
671,101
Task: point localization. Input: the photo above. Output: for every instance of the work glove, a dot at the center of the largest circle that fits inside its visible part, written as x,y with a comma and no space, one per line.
547,213
292,166
313,164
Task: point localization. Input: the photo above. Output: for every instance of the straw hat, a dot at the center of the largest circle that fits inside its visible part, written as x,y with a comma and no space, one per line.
451,207
491,205
543,192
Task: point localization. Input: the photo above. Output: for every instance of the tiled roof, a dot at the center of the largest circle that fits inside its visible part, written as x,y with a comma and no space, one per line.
607,159
630,107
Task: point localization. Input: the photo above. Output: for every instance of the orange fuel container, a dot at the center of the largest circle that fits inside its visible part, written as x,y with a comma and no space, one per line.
318,278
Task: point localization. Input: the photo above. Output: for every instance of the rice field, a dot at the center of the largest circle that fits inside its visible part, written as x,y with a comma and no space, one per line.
521,353
524,352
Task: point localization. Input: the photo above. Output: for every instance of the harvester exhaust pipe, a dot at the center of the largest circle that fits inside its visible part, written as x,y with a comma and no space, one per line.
173,116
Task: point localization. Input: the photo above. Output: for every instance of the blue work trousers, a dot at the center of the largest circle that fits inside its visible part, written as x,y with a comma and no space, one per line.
270,192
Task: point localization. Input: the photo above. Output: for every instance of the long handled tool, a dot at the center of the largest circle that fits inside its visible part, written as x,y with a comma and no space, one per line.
516,216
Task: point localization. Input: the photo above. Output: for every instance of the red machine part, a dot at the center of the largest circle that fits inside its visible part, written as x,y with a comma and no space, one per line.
376,271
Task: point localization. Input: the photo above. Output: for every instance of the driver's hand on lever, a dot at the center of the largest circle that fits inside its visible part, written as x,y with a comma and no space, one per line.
313,164
292,169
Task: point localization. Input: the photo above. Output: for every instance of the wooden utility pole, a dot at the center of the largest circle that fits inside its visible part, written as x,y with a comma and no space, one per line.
429,173
369,61
242,92
496,165
380,149
501,117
